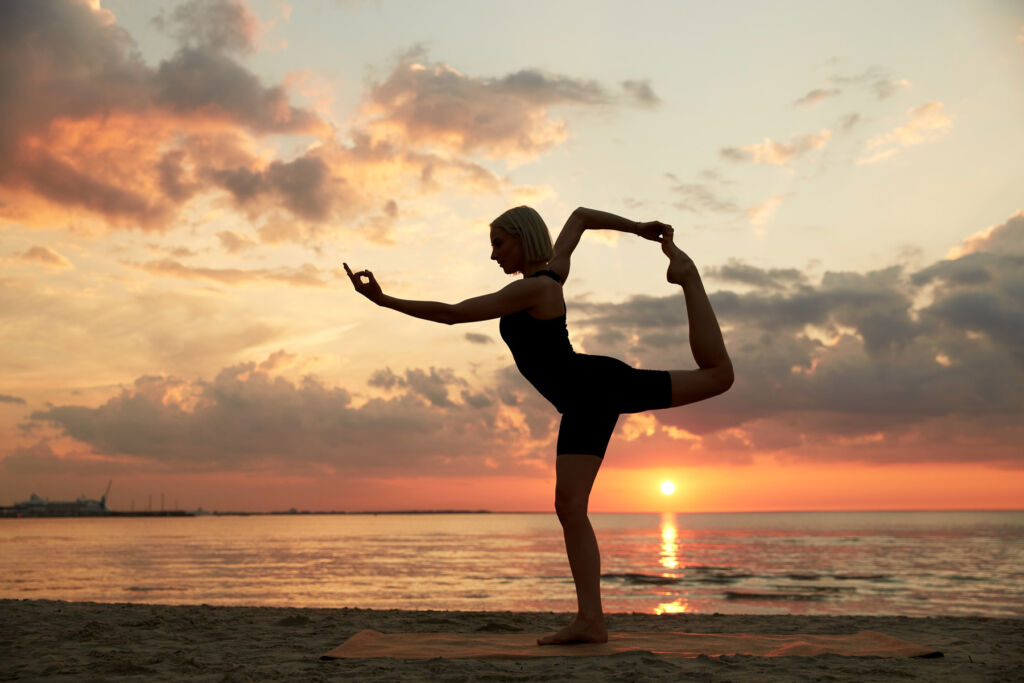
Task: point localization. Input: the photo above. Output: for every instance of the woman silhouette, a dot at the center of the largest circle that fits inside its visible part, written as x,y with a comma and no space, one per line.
589,391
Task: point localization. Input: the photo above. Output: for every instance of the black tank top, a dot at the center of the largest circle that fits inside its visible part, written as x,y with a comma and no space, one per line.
541,348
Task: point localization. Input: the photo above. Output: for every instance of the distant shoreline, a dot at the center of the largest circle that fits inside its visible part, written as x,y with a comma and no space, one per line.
12,513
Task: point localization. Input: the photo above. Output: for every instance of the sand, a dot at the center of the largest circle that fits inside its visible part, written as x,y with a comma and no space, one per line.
64,641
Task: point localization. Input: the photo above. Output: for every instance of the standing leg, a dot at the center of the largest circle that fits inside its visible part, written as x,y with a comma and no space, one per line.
715,374
575,477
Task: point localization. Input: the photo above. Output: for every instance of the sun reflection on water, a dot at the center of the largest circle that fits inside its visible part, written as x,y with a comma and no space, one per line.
677,606
669,559
669,541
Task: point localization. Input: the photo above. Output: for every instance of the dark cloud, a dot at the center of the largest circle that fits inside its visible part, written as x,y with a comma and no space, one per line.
849,367
817,95
475,338
774,278
4,398
848,122
39,459
217,24
882,366
204,82
247,418
876,79
88,128
642,92
429,104
86,124
699,197
431,385
305,186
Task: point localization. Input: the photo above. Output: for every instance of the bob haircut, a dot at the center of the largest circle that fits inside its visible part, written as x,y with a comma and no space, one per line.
529,227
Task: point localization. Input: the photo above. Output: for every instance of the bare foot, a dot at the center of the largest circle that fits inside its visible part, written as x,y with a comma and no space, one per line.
680,266
579,631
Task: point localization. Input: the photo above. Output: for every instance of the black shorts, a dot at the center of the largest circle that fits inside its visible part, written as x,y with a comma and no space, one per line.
603,388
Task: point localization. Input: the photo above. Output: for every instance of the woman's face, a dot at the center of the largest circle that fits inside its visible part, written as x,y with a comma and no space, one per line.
507,250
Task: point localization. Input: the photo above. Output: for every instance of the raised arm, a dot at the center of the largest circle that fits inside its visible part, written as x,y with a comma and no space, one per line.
591,219
517,296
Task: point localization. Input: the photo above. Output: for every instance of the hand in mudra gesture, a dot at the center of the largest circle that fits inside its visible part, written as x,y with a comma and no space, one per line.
371,290
652,230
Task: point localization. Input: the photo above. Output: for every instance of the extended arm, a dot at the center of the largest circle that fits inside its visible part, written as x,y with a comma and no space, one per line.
592,219
517,296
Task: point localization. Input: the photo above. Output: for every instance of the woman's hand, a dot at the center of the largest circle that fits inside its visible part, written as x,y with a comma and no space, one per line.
371,290
652,230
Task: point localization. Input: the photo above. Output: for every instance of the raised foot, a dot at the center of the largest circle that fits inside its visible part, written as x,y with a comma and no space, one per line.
680,266
579,631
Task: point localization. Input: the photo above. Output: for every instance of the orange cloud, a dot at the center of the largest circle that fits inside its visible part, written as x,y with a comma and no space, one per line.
306,275
927,123
48,257
778,153
433,105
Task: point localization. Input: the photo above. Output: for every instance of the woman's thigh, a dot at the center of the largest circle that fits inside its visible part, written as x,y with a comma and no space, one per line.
603,384
585,432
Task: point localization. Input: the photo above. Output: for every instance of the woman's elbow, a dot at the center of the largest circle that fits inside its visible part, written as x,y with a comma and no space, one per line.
453,315
726,376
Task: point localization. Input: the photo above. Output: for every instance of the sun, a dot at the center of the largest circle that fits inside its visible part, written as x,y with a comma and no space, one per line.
668,488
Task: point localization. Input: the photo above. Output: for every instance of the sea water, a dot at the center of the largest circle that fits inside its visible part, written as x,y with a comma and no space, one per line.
830,563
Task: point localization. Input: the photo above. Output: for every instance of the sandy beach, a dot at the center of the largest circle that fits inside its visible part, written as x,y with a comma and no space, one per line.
51,640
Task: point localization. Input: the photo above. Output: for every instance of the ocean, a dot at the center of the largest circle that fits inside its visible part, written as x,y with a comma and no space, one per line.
824,563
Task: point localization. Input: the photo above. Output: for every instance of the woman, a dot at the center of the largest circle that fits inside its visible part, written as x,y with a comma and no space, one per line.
589,391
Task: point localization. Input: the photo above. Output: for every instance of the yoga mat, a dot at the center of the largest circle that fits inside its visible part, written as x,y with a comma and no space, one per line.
369,643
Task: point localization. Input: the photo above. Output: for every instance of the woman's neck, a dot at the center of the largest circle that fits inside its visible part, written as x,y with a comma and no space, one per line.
531,268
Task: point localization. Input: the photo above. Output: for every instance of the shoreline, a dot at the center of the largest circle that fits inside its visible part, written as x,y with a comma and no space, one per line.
57,640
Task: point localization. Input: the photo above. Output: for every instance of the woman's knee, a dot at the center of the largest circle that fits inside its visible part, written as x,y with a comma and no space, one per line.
570,506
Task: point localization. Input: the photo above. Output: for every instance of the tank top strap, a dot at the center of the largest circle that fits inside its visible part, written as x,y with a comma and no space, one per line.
550,273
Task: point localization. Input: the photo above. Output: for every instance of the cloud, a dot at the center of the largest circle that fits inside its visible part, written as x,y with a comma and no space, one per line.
887,365
763,212
848,122
248,418
431,105
46,256
218,24
1007,238
700,197
474,338
234,242
432,385
926,123
851,367
774,278
85,124
642,92
815,96
306,275
4,398
778,153
91,133
876,79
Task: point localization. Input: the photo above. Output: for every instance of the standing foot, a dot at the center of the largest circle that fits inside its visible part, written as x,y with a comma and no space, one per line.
579,631
680,266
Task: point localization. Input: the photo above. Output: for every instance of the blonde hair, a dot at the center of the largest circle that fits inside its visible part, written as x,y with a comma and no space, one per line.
529,227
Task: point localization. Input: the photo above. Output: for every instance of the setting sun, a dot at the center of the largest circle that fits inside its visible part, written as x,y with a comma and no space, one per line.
668,488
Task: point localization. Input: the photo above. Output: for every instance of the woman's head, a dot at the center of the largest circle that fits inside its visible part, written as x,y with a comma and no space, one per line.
525,226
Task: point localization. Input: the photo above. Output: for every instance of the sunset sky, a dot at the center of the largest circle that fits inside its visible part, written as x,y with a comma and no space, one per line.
180,181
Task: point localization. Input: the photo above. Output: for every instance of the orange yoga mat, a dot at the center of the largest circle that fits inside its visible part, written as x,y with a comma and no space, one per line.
369,643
